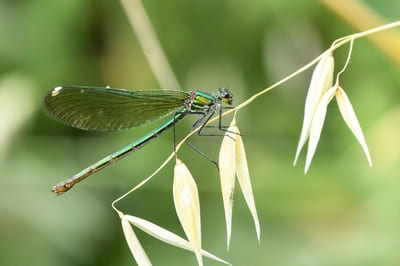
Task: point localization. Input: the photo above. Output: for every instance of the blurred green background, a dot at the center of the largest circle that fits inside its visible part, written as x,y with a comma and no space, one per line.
341,213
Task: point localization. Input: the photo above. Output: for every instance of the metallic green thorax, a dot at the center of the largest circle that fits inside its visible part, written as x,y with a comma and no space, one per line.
202,99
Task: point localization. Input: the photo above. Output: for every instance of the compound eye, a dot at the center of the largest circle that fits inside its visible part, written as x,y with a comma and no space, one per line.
225,95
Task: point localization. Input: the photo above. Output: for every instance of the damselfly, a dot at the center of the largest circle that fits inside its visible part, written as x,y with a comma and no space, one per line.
108,109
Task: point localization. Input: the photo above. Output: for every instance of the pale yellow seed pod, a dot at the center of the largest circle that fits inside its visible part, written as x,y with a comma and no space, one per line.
321,81
242,172
187,206
134,245
232,161
349,116
227,169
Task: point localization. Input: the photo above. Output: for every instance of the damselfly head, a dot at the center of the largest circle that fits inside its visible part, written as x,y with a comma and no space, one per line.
225,95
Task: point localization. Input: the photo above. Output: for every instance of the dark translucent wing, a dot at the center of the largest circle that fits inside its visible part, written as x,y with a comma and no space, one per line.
107,109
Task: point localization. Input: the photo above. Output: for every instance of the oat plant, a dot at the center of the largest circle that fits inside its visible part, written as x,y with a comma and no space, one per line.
324,87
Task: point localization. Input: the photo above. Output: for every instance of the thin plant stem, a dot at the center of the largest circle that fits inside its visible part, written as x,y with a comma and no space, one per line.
150,44
143,181
346,64
361,16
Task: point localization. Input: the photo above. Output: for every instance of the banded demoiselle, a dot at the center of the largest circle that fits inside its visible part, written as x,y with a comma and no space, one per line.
108,109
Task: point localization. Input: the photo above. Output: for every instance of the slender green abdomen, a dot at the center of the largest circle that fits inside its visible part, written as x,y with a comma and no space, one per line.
69,183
